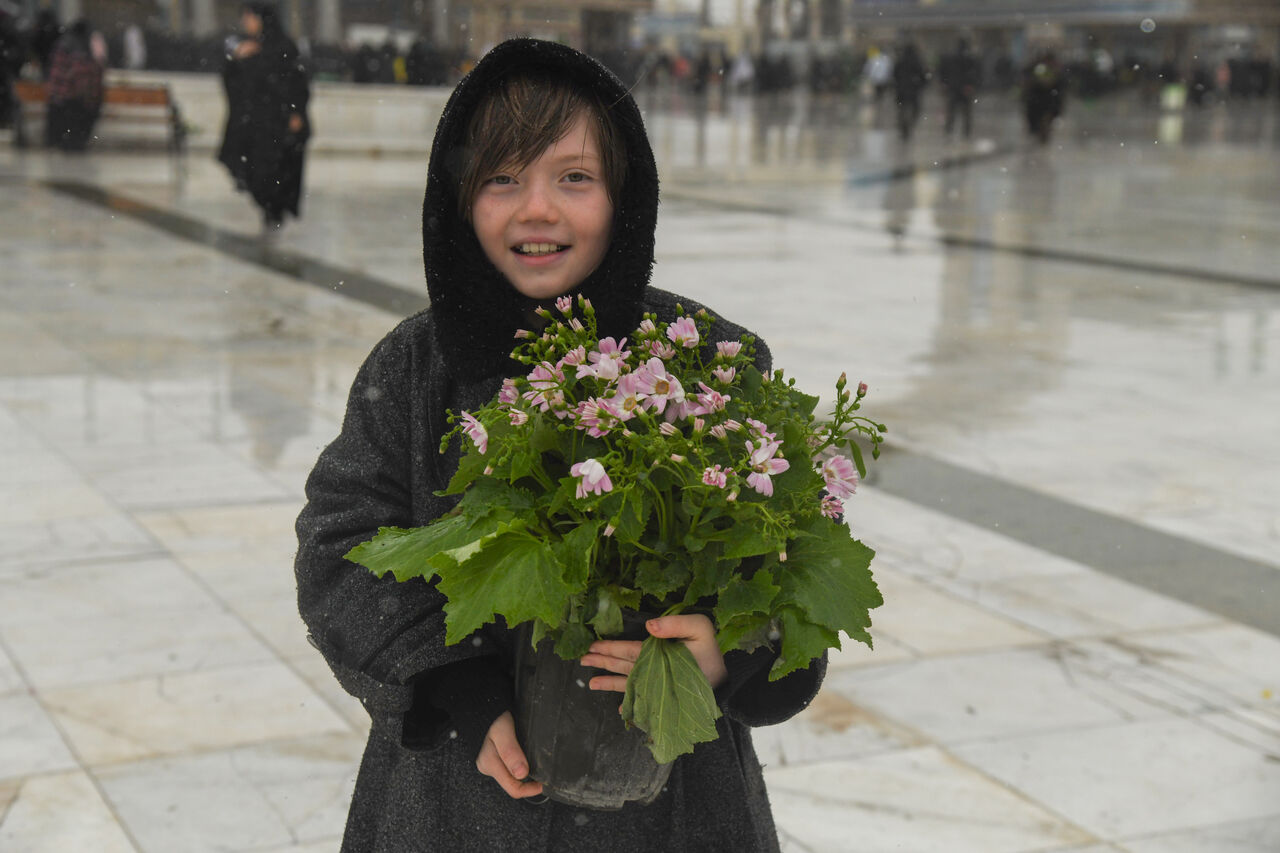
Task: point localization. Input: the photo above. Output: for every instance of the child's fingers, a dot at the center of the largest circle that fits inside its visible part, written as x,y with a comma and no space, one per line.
617,683
691,626
502,759
622,649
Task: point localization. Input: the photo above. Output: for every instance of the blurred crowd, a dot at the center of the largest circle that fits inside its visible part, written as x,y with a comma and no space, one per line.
904,70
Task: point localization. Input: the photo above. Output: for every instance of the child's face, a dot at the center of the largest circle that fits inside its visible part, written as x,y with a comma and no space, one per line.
546,227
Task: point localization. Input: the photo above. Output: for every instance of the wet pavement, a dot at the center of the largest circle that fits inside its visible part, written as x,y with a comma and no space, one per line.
1076,348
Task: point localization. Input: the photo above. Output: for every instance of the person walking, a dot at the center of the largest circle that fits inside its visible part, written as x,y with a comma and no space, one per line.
960,75
1042,94
75,90
267,129
909,79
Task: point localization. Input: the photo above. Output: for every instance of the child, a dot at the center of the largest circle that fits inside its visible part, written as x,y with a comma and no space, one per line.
541,182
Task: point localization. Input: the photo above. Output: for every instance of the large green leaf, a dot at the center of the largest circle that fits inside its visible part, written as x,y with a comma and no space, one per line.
660,577
745,597
828,577
416,552
744,632
802,641
514,574
747,536
575,552
669,699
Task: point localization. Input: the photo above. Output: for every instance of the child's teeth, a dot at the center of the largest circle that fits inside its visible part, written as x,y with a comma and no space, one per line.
538,248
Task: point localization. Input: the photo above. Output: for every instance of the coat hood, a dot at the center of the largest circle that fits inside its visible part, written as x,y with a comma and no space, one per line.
476,311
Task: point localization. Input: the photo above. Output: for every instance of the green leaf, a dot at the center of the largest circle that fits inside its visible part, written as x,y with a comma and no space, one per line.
415,552
669,699
632,516
752,596
575,552
710,574
608,618
856,451
802,641
514,574
545,435
659,578
828,577
574,641
470,466
746,538
744,632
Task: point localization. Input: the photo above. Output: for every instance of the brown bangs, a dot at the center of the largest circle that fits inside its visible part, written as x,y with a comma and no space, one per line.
520,119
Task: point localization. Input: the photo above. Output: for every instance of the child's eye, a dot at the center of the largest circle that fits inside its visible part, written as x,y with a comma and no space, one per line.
500,180
577,177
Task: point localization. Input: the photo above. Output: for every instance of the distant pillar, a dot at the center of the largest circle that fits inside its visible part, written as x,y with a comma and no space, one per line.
204,20
329,22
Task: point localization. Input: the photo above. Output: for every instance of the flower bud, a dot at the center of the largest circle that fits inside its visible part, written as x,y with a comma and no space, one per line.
609,529
782,556
862,389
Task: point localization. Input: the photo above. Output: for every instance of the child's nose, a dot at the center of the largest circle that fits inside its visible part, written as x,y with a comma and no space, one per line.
538,204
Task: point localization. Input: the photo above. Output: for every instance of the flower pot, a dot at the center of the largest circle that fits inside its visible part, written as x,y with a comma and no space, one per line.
574,737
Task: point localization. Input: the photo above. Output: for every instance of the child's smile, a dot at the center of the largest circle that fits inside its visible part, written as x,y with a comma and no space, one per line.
546,226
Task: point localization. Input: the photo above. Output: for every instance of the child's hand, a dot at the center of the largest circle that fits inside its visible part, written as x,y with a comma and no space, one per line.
694,630
502,759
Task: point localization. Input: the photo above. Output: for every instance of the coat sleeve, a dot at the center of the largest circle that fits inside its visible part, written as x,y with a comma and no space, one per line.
378,636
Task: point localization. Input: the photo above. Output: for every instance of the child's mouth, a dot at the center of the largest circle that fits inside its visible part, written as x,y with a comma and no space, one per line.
535,250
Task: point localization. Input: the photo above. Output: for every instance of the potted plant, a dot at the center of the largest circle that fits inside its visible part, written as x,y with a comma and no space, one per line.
661,473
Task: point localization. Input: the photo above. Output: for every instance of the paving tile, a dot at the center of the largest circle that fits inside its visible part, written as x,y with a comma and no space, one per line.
1251,836
113,621
29,742
60,812
165,715
1119,781
908,801
283,793
960,698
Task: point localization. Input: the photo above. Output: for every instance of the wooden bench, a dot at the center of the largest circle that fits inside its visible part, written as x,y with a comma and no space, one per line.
126,103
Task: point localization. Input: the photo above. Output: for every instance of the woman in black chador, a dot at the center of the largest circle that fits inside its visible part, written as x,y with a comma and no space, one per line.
267,127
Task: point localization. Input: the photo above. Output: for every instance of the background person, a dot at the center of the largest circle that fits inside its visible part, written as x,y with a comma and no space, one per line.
264,143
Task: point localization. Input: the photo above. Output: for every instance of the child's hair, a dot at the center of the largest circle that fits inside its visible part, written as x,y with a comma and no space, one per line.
521,118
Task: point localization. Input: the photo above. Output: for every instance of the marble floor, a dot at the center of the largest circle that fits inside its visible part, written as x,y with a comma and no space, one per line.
1076,348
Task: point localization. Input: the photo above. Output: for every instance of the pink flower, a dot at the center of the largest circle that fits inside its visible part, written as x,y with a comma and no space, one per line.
575,324
732,425
678,411
658,386
607,360
523,333
518,417
764,464
647,326
628,397
762,429
545,380
862,389
668,430
711,400
476,431
729,349
840,476
684,332
564,304
660,349
725,374
596,417
832,507
508,393
592,478
699,425
719,431
575,356
715,476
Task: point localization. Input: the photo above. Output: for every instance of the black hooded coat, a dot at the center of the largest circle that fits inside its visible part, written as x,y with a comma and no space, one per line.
431,704
262,154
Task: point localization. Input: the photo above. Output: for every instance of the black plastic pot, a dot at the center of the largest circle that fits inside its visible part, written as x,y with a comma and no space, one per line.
574,737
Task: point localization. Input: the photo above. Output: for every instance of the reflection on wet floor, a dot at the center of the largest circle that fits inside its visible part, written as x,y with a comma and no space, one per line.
1076,348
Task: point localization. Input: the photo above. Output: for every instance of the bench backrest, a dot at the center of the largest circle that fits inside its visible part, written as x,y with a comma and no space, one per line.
30,91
